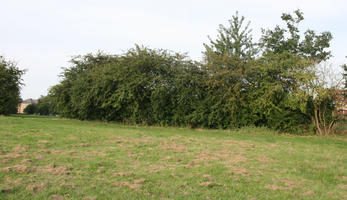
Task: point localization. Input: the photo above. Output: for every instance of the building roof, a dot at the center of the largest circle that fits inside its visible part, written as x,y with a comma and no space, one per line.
30,101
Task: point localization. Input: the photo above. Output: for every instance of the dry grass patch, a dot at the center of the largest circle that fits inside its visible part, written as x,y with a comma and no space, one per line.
35,187
238,171
174,147
53,169
264,160
308,193
57,197
207,176
276,187
343,187
11,156
96,153
20,149
123,174
133,186
129,140
209,184
241,144
16,168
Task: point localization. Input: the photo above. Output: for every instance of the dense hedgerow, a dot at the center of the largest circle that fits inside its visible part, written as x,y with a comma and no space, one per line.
239,83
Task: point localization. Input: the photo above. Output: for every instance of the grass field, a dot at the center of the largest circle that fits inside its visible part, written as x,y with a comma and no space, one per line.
53,158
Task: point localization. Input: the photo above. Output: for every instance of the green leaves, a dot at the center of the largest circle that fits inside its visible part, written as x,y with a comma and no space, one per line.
235,40
240,83
313,46
10,83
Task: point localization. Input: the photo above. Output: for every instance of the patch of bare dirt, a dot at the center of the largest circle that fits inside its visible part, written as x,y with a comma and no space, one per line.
57,197
44,151
82,145
38,157
239,171
26,161
71,152
67,185
16,181
226,156
276,187
43,141
154,168
20,149
119,139
176,138
204,156
188,166
63,151
290,183
133,186
138,181
207,176
57,152
174,147
74,138
123,174
238,143
3,161
11,155
36,187
273,145
209,184
342,186
263,159
16,168
53,169
308,193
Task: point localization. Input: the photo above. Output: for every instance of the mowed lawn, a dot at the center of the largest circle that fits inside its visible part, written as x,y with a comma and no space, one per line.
53,158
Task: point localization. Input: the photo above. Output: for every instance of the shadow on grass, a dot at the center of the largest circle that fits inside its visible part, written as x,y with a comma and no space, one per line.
33,116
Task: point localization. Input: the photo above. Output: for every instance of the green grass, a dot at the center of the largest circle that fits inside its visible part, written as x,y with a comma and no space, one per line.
53,158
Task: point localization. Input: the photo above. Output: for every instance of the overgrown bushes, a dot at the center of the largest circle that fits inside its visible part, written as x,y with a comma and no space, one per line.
239,83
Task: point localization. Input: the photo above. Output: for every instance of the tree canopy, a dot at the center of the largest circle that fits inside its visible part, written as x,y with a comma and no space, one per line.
239,83
10,83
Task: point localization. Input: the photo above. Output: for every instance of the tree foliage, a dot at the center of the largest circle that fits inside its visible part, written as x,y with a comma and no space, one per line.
239,83
10,83
31,109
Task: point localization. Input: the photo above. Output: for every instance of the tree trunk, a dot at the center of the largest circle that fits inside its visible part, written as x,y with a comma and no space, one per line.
316,117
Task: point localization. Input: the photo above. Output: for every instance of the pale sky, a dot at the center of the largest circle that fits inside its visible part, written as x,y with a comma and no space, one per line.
43,35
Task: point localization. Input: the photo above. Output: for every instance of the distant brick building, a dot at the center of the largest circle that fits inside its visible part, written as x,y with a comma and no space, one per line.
24,104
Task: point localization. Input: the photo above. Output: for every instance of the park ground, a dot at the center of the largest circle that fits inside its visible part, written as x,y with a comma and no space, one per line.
55,158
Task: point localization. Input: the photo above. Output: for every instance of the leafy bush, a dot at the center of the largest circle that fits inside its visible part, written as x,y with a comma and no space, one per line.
10,82
239,83
31,109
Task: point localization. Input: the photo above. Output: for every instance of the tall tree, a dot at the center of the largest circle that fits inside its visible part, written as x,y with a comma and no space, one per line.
291,61
228,62
10,83
288,39
233,40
